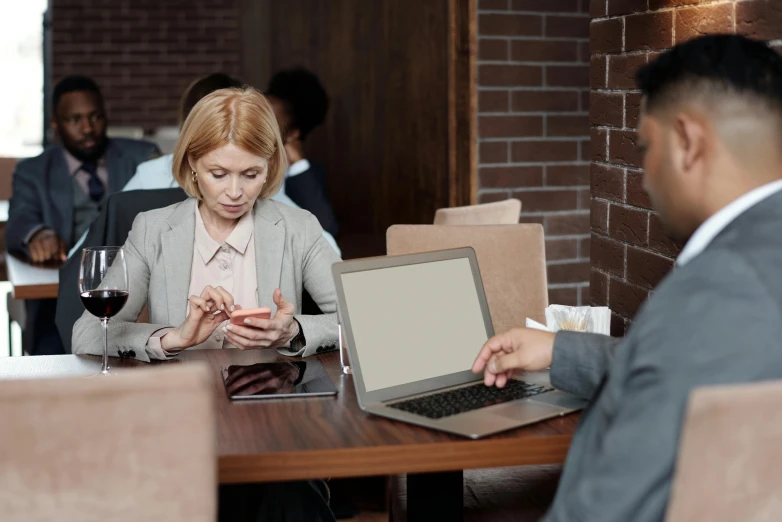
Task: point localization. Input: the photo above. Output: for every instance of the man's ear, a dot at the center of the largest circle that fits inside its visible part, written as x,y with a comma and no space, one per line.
293,135
692,134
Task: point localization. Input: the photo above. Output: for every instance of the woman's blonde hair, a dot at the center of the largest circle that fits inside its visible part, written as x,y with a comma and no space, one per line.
243,117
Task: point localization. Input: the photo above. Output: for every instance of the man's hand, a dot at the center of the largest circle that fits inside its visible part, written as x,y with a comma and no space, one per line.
518,349
46,246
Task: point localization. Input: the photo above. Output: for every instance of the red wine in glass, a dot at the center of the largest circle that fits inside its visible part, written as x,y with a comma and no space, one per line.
104,303
103,288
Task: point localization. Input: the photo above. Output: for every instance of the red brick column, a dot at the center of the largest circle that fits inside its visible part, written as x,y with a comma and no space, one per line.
630,253
533,127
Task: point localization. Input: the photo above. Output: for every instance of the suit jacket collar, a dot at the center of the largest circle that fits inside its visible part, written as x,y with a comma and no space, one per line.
721,220
178,246
753,227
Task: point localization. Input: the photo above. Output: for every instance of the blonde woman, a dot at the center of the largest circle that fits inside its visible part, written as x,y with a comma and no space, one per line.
226,247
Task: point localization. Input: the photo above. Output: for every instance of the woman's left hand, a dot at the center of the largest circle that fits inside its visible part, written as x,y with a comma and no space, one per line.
266,333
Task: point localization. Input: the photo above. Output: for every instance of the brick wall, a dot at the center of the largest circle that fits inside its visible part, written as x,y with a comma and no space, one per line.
143,53
533,127
630,253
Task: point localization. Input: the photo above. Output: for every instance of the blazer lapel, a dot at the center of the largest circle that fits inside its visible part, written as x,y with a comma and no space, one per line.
118,168
61,191
269,239
177,246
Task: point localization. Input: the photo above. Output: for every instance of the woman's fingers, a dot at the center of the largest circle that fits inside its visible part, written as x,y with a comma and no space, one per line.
243,343
252,334
226,298
213,298
261,324
198,303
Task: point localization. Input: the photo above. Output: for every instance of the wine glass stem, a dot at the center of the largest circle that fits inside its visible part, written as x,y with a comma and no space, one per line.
105,369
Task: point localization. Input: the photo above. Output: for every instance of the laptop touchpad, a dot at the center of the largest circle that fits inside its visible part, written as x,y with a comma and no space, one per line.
561,399
525,410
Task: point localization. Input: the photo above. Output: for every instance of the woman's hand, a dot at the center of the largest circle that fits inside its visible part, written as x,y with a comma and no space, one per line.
207,311
266,333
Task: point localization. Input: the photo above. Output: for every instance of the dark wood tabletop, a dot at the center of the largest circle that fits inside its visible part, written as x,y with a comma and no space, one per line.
294,439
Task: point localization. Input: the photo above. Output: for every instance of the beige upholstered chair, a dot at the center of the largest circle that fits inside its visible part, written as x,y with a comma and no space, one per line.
132,447
499,213
512,259
123,131
728,467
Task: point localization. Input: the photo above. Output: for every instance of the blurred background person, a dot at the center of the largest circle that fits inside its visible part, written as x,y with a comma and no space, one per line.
57,194
157,173
300,103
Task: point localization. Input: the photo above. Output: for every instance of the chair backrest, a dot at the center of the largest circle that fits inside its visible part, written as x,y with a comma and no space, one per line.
728,467
512,260
111,227
165,138
125,131
499,213
141,446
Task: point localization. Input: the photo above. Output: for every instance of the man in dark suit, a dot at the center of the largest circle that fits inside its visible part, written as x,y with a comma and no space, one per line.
710,131
57,194
300,103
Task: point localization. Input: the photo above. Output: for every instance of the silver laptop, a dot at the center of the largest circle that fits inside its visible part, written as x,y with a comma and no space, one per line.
414,325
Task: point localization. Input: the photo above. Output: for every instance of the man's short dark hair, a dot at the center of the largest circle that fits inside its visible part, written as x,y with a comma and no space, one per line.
304,97
203,87
721,63
73,83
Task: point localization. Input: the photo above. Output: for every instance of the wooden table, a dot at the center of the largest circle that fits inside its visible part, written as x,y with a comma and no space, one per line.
297,439
32,282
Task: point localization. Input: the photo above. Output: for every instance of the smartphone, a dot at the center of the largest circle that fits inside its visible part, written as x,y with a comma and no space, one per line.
239,316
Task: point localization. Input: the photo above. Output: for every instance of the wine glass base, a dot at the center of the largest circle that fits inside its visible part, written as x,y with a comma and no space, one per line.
103,373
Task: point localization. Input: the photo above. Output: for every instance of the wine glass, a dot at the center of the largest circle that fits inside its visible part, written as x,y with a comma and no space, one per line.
103,287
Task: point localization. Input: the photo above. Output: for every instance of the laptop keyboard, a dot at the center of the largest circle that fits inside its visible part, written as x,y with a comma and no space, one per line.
460,400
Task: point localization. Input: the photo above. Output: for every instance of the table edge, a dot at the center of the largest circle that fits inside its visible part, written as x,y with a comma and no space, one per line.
385,460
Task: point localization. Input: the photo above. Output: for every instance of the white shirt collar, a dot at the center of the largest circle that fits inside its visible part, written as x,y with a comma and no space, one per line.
297,167
710,228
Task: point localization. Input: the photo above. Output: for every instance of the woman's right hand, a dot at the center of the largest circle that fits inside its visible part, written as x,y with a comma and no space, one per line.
207,312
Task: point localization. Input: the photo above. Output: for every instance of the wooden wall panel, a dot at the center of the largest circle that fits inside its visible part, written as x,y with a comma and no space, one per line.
395,136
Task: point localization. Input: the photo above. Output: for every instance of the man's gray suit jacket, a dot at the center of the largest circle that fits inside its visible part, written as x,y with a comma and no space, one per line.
42,192
716,320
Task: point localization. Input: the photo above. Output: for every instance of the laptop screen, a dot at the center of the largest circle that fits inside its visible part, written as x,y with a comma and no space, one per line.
414,322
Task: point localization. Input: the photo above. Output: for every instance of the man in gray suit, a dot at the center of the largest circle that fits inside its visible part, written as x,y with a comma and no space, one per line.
57,194
711,134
